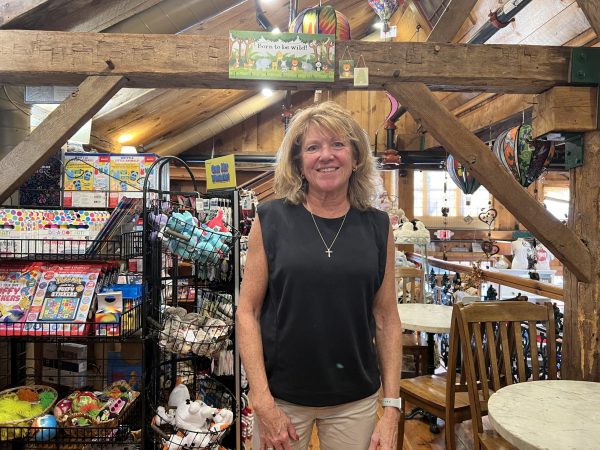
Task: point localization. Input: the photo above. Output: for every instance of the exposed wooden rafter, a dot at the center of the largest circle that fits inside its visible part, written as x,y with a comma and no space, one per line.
23,160
471,151
451,20
73,15
35,57
591,9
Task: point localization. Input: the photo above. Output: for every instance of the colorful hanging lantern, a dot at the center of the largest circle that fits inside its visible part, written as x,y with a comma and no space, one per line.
384,9
321,20
463,179
522,156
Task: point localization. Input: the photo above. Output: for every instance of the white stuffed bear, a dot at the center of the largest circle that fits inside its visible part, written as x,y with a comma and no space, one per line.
194,416
222,420
163,416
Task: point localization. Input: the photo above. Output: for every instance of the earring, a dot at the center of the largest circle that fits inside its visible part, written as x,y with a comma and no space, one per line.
354,169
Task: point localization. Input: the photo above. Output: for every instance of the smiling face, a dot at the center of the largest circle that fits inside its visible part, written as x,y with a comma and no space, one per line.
327,161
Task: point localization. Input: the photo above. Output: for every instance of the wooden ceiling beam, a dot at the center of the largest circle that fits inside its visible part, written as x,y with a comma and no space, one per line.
452,20
23,160
472,152
77,15
13,10
592,13
40,57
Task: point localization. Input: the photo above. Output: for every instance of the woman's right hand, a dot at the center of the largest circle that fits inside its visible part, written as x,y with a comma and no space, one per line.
275,428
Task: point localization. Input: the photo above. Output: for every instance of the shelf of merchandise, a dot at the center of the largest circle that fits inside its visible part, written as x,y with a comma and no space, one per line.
177,273
27,345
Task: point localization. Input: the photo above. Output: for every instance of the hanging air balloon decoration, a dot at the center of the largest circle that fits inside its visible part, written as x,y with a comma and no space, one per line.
384,9
321,20
522,156
463,179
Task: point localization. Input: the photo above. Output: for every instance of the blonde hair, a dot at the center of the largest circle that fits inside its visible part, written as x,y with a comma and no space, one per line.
331,117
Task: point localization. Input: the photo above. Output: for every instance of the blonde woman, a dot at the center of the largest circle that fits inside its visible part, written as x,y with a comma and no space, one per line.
318,325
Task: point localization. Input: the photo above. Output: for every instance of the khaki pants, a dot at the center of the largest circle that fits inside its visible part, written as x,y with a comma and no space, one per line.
342,427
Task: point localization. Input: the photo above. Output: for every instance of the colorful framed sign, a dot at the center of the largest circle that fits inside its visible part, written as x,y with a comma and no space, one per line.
256,55
220,172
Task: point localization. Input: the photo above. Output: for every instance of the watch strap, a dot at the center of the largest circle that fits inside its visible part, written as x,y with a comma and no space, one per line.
392,402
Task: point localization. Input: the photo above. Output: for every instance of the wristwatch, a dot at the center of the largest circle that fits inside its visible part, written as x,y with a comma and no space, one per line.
393,402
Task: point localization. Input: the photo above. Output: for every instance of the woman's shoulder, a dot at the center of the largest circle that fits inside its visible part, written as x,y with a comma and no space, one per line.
276,206
376,214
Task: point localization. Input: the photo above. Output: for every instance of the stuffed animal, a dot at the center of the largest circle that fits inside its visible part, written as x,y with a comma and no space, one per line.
194,415
175,442
163,416
179,394
222,420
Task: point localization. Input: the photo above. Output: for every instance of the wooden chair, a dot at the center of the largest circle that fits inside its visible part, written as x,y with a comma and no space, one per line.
409,281
441,395
495,354
410,284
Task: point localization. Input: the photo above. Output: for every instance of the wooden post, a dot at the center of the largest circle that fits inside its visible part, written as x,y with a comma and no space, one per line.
478,159
50,135
581,340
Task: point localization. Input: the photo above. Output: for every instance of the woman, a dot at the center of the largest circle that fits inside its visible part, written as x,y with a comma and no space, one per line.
318,290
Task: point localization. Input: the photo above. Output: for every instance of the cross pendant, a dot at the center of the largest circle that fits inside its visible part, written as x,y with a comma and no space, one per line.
329,252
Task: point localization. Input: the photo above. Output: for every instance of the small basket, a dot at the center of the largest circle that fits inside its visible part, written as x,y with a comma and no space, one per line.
66,422
203,333
15,429
196,241
211,392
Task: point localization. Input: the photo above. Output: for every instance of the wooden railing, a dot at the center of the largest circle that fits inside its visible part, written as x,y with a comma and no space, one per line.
524,284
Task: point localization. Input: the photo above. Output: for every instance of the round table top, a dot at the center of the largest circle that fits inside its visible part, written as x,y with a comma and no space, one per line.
425,317
551,414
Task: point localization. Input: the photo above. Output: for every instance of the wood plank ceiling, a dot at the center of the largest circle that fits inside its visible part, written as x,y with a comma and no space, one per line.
151,115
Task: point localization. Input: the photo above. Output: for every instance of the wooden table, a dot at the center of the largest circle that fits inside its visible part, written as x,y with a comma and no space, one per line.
429,318
551,414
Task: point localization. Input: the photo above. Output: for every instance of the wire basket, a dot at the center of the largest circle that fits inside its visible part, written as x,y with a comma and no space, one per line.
19,428
202,333
207,240
118,399
199,422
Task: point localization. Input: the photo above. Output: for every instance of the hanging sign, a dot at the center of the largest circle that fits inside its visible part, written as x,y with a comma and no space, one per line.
220,172
257,55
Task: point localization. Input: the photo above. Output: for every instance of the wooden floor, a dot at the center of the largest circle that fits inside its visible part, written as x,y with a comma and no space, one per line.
418,437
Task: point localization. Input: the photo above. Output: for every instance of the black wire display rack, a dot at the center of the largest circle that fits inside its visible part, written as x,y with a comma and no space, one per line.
189,247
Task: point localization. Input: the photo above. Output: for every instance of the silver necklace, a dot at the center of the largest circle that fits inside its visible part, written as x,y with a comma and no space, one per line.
328,247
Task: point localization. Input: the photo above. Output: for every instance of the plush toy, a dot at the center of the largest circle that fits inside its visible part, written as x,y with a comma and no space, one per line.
179,394
194,416
163,416
222,420
175,442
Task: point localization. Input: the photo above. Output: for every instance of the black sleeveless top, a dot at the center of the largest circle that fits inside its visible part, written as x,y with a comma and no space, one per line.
316,321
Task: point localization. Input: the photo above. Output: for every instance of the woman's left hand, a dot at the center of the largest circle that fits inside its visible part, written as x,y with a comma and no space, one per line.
385,434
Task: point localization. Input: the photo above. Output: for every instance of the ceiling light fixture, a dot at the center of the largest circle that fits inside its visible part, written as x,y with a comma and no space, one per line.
124,138
267,92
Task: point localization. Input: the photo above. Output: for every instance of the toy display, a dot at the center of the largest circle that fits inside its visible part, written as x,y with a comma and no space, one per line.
83,409
20,406
195,423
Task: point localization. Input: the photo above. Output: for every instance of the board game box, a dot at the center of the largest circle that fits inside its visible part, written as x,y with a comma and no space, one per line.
63,300
17,287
